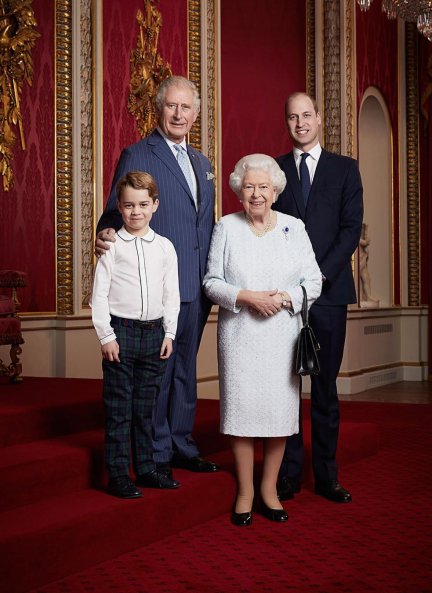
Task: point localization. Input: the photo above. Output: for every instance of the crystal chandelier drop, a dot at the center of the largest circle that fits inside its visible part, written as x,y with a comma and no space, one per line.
424,24
389,8
413,11
364,4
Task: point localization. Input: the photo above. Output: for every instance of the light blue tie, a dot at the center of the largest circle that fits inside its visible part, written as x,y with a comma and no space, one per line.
305,177
183,161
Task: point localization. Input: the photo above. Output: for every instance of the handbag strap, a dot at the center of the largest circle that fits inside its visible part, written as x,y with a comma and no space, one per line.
304,314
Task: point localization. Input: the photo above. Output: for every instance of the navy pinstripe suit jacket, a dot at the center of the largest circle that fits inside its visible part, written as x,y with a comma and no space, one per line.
176,218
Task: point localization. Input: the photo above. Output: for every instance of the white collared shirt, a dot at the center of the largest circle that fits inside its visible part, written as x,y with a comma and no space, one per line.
183,144
137,278
311,161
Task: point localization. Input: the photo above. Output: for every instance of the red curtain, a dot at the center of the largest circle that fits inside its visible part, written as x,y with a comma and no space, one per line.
263,59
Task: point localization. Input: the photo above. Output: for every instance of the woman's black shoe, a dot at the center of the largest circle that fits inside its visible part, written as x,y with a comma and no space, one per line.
241,519
279,515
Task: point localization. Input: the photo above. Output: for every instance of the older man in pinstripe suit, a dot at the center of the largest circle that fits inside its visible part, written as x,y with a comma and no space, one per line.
185,215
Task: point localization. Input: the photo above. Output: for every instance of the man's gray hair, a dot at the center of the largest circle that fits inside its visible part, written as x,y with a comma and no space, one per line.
179,81
257,161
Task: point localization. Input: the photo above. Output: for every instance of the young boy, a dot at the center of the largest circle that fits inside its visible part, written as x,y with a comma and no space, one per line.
135,305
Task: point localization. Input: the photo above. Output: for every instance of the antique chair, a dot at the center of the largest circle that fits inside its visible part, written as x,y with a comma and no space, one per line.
10,324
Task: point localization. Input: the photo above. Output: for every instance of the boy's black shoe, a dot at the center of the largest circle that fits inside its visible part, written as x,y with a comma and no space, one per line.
155,479
123,487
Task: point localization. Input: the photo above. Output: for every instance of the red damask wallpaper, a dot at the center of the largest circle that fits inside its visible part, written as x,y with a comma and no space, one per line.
377,65
263,59
120,31
27,237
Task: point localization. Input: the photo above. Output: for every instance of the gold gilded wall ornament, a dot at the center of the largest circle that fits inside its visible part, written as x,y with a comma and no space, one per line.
148,69
18,36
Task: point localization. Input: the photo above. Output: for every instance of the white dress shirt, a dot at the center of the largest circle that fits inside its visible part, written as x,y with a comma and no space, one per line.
137,278
311,161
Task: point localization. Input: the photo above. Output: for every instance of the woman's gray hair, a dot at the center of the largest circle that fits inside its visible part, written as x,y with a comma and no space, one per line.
257,161
179,81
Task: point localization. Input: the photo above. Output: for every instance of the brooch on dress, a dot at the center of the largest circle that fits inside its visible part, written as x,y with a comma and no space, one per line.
285,230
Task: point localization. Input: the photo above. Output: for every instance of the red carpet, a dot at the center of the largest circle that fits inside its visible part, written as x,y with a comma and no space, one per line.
55,521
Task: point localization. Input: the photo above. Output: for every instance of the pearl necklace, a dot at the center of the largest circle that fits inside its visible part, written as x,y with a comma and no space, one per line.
254,230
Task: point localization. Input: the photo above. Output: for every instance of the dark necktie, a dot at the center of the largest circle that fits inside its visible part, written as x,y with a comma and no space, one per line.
305,177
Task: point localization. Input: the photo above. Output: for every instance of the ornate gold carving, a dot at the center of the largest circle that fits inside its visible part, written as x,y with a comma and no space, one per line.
332,76
412,166
212,84
212,92
350,78
194,62
87,151
310,48
148,69
63,157
18,36
350,88
203,42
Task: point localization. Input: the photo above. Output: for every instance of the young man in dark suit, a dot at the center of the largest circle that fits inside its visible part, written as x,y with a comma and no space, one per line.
186,216
325,191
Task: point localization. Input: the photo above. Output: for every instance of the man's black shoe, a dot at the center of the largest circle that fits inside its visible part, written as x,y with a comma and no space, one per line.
164,468
155,479
332,490
287,487
194,464
123,487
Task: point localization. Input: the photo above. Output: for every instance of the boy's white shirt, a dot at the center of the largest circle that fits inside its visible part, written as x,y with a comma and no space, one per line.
137,278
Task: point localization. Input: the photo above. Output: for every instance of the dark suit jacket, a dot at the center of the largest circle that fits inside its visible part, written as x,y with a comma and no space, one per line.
333,219
176,218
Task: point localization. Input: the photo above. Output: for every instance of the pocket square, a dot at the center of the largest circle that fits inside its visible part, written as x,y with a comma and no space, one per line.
209,175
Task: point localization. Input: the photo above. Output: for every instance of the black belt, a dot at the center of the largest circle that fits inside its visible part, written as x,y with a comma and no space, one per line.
153,324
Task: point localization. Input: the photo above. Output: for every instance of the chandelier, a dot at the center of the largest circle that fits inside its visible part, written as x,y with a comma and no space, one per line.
414,11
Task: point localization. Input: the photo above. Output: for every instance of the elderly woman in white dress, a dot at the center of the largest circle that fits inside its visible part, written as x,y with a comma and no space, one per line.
257,263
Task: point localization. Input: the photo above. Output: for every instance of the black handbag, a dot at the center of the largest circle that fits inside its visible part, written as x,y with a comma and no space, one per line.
307,346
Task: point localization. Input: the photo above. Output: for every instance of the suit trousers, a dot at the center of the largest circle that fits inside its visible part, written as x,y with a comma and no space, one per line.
130,389
329,325
174,413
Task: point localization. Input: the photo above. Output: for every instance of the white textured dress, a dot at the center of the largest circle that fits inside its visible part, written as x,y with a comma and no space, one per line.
259,391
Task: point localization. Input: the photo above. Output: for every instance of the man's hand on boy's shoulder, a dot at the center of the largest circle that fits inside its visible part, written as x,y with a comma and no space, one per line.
103,240
110,351
166,348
